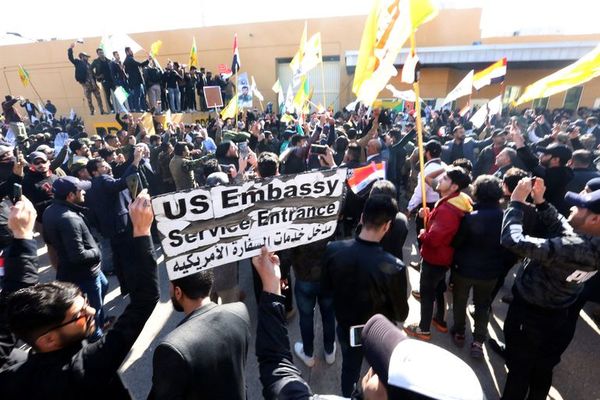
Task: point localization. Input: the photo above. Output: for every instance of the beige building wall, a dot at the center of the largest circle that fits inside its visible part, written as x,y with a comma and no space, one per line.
261,44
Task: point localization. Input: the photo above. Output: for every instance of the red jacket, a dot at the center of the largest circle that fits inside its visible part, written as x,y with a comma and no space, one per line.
441,227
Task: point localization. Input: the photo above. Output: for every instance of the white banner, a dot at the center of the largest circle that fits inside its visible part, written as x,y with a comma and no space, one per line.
207,227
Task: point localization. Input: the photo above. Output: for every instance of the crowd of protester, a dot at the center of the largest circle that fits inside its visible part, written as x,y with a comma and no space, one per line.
521,193
149,87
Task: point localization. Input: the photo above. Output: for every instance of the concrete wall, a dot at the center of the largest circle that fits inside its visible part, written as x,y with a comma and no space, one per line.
261,44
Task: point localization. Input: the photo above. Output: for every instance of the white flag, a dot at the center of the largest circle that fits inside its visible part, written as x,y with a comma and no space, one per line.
289,99
408,70
72,115
118,42
255,91
406,95
493,107
464,88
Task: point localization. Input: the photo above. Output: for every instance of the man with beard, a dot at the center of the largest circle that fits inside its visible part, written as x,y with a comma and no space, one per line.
205,356
101,69
37,183
538,327
461,147
54,319
551,166
108,200
66,228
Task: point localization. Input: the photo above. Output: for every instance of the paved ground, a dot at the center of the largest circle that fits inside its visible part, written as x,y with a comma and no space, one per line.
575,378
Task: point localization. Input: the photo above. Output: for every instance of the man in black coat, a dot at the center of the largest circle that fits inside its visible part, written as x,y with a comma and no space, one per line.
364,281
55,317
85,76
66,228
205,356
137,100
108,200
584,170
101,69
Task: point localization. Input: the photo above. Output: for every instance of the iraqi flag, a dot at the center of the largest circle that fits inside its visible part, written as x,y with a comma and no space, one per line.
495,73
360,178
235,64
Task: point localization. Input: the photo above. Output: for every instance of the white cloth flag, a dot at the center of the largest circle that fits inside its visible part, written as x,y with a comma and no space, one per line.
406,95
118,42
493,107
408,70
464,88
289,100
255,91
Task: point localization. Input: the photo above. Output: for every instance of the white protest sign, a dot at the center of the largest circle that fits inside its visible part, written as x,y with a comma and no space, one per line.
207,227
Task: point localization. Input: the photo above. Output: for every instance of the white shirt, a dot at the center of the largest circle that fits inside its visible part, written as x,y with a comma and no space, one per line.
431,195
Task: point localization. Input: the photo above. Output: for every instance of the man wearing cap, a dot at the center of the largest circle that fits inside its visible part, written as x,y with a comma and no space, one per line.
85,76
538,327
551,166
37,182
16,129
66,229
401,368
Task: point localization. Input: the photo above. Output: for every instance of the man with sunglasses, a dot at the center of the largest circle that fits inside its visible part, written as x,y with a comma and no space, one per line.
55,317
37,182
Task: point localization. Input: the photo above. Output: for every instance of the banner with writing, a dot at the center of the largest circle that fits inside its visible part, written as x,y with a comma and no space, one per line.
207,227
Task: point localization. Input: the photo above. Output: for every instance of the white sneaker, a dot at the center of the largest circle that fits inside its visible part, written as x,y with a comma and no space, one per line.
299,350
330,357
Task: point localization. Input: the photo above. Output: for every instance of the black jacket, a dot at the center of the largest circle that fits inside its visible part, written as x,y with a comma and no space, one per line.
101,70
279,376
81,67
205,356
581,176
555,178
37,187
67,230
89,370
556,267
132,68
478,253
364,280
108,200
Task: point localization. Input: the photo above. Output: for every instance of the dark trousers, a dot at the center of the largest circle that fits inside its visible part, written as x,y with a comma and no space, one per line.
107,94
123,262
432,287
482,299
307,296
420,222
351,360
535,341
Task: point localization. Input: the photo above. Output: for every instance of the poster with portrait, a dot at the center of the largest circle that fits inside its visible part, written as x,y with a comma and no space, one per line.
244,91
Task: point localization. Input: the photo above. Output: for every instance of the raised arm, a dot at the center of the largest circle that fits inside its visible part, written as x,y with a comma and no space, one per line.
101,359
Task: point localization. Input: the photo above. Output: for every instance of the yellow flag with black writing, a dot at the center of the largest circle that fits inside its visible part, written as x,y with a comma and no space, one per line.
230,110
194,54
24,76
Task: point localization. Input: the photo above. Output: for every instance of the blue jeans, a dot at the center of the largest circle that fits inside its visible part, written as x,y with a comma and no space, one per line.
136,99
307,295
95,289
351,361
174,99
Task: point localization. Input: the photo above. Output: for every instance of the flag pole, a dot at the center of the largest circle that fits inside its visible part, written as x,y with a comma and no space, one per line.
419,132
323,86
236,92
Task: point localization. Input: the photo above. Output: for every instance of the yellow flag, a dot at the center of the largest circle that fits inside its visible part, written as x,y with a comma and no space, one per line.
155,48
24,76
194,54
296,64
231,110
389,25
301,96
312,54
581,71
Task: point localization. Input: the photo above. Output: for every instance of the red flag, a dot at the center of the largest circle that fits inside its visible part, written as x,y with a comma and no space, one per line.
362,177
